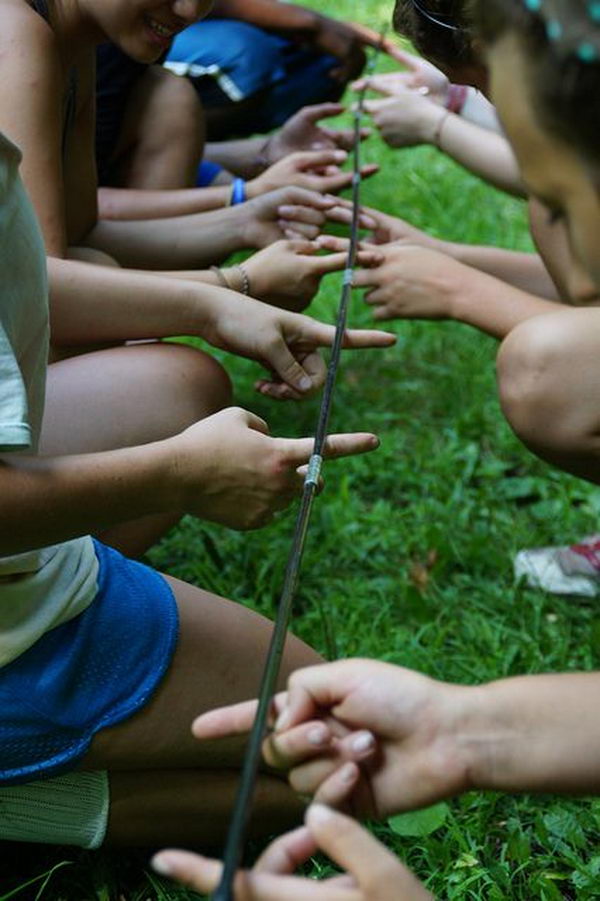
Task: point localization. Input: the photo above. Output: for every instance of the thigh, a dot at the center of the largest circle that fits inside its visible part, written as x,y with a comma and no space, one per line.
128,395
219,659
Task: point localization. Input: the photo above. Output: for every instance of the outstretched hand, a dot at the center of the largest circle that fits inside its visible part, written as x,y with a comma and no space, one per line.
366,736
288,273
315,170
228,469
419,75
286,344
372,872
302,132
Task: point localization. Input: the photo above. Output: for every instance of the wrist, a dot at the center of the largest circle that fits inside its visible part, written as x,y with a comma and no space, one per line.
433,119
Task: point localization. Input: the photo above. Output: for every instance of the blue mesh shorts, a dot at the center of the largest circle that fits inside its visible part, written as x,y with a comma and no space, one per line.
89,673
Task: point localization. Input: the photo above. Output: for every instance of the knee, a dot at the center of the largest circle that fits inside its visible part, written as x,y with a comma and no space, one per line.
534,371
199,385
180,113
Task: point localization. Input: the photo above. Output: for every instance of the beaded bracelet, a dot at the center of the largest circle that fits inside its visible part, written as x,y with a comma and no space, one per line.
222,279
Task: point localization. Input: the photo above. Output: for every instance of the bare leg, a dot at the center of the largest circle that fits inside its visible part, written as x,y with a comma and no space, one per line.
163,136
219,660
125,396
549,383
192,807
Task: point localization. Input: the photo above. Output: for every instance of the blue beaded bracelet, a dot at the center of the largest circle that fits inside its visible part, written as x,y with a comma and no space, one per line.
238,191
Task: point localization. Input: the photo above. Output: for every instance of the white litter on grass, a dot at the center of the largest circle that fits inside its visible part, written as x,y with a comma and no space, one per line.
540,569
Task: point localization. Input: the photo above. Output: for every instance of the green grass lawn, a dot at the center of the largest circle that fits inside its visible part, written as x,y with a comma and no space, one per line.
408,560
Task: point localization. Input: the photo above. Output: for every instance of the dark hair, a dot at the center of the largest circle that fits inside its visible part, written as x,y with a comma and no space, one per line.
561,40
439,29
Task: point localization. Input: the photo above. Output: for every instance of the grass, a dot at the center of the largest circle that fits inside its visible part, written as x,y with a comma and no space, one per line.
409,560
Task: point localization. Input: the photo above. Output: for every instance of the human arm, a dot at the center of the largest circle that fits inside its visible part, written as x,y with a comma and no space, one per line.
412,118
226,469
197,241
316,170
248,157
96,304
344,40
421,75
372,873
287,274
413,282
526,271
418,740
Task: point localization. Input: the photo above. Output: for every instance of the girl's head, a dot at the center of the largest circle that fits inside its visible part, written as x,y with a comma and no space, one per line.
544,62
441,30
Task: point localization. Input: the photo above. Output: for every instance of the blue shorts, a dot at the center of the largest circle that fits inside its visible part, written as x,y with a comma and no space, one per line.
89,673
228,61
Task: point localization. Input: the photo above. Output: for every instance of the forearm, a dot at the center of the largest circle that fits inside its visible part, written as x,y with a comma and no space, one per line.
185,242
537,733
267,14
521,270
92,304
491,305
47,500
131,204
242,157
482,152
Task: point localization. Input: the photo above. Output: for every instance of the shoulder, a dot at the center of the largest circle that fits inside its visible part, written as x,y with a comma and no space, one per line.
24,29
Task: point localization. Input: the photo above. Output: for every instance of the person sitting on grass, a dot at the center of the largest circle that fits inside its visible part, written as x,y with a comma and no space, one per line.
496,290
47,108
377,738
254,63
150,138
103,660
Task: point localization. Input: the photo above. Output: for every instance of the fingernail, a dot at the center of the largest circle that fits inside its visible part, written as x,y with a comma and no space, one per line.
363,742
318,813
283,721
161,864
305,384
340,155
348,773
317,736
285,211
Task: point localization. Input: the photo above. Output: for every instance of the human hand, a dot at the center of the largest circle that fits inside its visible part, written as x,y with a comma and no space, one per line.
285,213
368,736
301,132
372,872
420,74
385,229
342,40
288,273
227,469
412,283
315,170
406,119
285,343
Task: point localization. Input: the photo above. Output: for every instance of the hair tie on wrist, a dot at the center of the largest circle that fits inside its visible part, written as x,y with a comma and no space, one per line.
457,97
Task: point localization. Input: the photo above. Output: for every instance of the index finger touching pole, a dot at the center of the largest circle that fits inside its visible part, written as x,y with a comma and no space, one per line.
237,828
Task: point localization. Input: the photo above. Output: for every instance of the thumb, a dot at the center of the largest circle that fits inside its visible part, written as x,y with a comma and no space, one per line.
360,854
287,367
252,421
